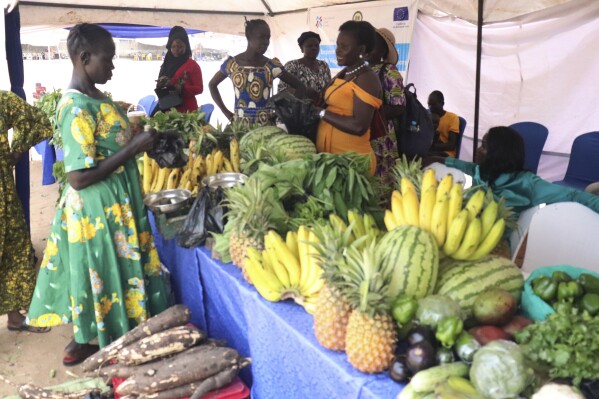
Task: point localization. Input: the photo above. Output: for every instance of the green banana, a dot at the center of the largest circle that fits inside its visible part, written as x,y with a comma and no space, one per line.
489,243
488,217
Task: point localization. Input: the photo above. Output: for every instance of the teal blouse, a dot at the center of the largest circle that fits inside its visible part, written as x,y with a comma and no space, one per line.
524,190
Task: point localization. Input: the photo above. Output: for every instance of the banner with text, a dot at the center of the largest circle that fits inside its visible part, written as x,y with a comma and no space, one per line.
398,16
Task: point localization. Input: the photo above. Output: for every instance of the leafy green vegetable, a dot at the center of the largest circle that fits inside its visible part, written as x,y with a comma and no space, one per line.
188,124
48,103
566,343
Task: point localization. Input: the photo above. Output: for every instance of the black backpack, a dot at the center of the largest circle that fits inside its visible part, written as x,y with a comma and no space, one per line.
416,132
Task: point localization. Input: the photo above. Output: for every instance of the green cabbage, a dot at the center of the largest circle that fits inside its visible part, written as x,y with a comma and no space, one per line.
433,308
499,371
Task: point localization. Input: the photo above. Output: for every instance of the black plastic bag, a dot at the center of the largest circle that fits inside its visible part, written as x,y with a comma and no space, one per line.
297,114
207,215
168,150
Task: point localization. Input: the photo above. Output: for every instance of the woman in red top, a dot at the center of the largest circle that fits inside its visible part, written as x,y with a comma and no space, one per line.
180,71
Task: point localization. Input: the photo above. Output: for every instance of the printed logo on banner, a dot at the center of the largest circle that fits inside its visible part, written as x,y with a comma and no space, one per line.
401,17
358,16
319,22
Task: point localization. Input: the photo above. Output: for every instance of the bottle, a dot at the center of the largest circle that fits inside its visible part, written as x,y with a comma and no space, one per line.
414,128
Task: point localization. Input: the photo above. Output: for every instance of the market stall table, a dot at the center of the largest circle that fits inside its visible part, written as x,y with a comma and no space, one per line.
287,360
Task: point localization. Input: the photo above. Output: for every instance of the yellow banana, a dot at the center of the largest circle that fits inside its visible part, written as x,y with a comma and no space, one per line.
427,204
159,183
188,186
198,171
147,177
227,167
489,243
302,249
209,165
263,281
337,223
235,157
428,180
470,242
185,178
397,208
291,242
266,262
310,304
358,223
475,203
218,161
278,268
456,196
455,234
173,178
411,207
488,217
389,220
439,219
288,259
445,185
372,230
315,284
314,281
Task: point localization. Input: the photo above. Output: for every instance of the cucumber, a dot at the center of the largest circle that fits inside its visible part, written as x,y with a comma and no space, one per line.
408,393
425,380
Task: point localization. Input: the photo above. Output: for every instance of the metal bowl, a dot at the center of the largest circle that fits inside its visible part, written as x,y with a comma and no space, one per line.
167,201
224,180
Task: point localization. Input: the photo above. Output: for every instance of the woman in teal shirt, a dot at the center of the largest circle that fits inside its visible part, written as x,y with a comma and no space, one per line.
500,166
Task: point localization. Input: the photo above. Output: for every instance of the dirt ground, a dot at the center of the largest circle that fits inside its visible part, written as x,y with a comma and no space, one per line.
27,357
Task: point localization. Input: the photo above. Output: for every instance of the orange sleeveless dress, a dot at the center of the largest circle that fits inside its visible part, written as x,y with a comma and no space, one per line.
340,100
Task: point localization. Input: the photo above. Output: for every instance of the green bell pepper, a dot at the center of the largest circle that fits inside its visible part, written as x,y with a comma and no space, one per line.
590,303
404,309
545,288
448,330
589,282
569,291
561,277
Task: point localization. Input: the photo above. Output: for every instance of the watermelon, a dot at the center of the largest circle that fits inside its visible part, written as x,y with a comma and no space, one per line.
464,281
263,133
292,146
413,255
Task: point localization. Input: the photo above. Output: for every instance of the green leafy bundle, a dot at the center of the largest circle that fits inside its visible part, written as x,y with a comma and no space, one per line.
566,344
48,103
188,124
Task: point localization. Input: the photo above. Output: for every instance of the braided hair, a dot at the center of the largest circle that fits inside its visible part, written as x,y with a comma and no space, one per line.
86,37
253,25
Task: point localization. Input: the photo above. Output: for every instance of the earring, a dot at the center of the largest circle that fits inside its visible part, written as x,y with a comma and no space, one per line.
361,56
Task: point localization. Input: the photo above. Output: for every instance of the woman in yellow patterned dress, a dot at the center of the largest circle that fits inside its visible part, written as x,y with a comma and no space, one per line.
100,270
17,269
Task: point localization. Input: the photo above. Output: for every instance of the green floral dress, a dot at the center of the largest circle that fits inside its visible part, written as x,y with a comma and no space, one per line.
100,270
17,269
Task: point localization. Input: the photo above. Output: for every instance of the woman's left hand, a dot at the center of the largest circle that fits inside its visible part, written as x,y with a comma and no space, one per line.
162,82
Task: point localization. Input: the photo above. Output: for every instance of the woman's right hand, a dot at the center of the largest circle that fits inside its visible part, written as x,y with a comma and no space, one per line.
144,141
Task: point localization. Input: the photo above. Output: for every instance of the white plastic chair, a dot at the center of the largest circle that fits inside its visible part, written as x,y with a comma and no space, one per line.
458,176
517,236
563,234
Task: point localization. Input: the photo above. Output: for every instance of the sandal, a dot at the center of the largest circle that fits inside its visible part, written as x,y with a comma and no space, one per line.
79,353
27,328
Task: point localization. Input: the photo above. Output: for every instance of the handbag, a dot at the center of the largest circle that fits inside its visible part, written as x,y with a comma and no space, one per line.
378,126
168,98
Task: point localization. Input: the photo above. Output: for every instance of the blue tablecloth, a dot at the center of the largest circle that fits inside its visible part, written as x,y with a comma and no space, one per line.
287,360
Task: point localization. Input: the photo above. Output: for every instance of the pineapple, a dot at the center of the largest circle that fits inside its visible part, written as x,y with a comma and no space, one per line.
410,169
371,336
253,211
332,311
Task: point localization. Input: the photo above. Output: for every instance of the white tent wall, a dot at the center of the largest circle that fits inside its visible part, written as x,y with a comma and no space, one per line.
540,67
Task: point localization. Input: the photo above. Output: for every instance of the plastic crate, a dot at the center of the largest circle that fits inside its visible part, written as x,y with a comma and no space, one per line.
235,390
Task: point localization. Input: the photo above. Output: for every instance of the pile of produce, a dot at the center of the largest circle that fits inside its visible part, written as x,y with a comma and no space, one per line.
561,291
163,358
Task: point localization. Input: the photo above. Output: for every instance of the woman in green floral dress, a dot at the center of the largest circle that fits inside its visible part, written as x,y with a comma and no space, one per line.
100,270
17,268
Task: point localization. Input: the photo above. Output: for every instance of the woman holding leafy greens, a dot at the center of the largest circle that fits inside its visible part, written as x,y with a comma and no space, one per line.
100,270
17,267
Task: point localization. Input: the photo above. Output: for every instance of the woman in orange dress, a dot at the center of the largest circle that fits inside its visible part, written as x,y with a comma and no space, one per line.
352,96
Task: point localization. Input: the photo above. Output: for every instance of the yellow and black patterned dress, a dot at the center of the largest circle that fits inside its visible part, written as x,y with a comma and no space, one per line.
17,269
100,270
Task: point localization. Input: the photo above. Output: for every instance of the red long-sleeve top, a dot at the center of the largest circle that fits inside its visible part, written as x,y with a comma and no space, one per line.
192,86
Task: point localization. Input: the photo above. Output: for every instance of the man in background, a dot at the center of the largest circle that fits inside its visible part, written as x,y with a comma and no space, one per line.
446,140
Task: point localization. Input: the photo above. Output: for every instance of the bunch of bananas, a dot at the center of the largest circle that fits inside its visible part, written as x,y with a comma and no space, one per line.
467,233
190,176
286,268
